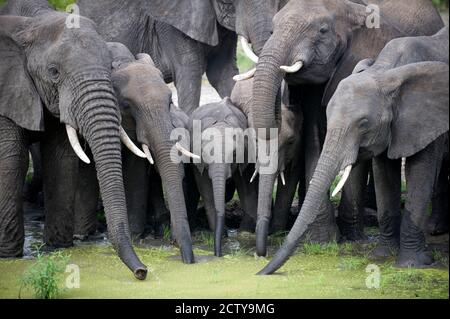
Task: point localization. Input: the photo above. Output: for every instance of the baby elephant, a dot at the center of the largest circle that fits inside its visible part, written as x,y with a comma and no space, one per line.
222,128
389,109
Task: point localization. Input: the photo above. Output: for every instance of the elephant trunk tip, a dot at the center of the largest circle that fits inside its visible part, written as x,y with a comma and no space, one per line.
262,231
220,225
140,273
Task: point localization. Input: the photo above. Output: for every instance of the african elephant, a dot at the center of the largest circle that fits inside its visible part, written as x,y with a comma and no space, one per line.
314,45
288,172
392,108
222,126
54,81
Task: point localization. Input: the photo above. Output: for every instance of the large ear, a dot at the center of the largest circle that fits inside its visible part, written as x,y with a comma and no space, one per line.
421,106
195,18
225,13
19,98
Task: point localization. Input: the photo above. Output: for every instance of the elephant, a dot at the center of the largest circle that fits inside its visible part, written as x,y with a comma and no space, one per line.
148,117
185,38
392,108
223,126
55,82
288,173
314,45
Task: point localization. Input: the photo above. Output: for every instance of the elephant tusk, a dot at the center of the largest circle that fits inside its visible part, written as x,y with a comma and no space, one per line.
248,50
148,154
245,76
293,68
75,143
254,176
129,144
283,179
186,152
343,180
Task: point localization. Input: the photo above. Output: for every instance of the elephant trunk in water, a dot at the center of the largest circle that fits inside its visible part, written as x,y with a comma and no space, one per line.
172,178
266,187
330,162
98,121
217,173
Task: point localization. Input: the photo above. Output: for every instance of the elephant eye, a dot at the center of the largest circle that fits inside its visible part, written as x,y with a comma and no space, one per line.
324,29
53,72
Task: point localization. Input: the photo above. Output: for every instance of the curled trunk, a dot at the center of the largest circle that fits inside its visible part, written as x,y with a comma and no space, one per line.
327,169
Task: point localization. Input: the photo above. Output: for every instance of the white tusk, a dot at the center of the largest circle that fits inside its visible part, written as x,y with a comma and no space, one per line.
343,180
248,50
75,143
283,179
130,145
148,154
293,68
254,176
185,152
244,76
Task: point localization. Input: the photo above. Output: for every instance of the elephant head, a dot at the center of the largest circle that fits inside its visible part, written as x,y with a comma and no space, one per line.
222,126
252,19
48,67
308,40
288,143
399,111
147,104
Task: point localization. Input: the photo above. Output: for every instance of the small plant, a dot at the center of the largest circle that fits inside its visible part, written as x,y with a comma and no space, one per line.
352,263
206,239
440,257
167,233
44,276
331,249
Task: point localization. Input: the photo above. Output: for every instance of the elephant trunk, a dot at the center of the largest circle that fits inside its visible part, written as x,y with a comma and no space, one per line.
267,83
99,122
172,179
217,173
266,187
330,162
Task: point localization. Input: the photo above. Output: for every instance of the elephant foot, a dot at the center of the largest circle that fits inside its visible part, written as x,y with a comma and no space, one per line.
351,232
413,259
438,225
322,233
384,250
10,252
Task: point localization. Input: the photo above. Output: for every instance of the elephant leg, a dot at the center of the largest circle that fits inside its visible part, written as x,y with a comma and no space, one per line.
86,201
60,176
387,178
351,208
439,220
205,188
422,170
136,182
13,169
159,214
285,197
248,196
324,228
221,64
34,187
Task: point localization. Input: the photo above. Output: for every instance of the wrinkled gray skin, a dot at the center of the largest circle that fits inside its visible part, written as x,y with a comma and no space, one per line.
148,116
185,38
52,75
288,158
330,37
394,108
212,177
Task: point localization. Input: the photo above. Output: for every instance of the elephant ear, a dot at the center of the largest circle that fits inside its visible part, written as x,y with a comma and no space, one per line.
421,106
19,98
225,13
195,18
363,65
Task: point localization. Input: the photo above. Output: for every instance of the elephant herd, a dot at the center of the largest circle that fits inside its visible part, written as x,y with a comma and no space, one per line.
350,85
